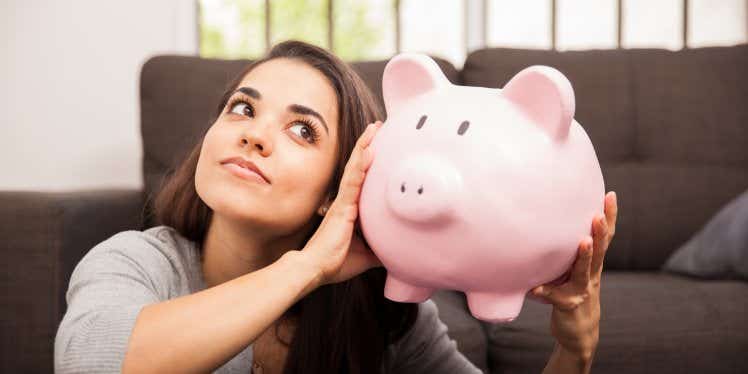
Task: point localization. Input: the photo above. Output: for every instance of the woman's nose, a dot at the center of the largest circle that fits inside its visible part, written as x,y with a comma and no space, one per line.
258,136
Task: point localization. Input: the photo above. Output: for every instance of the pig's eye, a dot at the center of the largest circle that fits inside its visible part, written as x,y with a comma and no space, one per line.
463,127
421,121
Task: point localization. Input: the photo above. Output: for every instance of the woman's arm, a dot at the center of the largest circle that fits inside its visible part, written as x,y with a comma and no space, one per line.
202,331
563,361
117,319
575,319
121,310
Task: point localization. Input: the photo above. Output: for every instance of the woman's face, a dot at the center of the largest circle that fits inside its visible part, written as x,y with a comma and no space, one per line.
283,118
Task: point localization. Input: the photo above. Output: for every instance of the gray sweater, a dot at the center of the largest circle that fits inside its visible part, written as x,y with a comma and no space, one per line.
131,269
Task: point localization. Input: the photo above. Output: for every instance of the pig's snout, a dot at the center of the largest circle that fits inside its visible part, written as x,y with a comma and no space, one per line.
423,189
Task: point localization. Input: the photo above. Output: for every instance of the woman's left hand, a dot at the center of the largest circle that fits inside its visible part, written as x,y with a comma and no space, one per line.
576,302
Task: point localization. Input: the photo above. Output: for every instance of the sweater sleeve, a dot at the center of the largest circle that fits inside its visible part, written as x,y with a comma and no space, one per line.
426,347
107,290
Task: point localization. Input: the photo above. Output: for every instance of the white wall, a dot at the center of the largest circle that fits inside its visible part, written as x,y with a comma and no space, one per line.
69,109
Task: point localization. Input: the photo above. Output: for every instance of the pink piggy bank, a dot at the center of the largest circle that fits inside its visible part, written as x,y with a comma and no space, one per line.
485,191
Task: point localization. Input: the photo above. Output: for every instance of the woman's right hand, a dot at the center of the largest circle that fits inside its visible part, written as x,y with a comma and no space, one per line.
338,253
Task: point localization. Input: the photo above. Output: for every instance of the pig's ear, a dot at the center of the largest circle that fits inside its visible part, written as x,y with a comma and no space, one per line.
546,96
407,75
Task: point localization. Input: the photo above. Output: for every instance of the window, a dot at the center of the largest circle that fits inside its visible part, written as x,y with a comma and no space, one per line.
377,29
363,29
436,28
723,22
586,24
232,29
652,24
521,25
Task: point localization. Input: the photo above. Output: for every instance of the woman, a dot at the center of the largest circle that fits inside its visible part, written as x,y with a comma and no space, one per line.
266,271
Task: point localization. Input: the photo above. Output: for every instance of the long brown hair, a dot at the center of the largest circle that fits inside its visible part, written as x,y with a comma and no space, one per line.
343,327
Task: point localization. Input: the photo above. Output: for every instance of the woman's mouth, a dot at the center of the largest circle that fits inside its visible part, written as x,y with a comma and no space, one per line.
244,173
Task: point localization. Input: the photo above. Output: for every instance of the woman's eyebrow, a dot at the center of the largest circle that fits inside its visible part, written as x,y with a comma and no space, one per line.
296,108
300,109
249,91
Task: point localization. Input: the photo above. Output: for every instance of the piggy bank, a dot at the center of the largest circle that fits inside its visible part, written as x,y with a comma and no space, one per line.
480,190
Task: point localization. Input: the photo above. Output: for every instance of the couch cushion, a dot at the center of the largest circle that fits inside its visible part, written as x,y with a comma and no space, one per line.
670,130
720,249
179,95
44,235
650,323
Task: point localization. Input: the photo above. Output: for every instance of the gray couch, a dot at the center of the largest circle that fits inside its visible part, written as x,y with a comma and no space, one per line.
671,132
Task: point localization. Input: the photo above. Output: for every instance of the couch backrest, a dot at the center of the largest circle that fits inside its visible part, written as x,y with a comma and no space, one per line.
670,128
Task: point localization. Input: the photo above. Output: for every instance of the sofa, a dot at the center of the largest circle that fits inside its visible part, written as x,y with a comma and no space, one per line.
671,132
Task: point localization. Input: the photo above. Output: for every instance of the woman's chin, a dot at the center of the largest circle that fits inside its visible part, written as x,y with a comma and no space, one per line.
249,216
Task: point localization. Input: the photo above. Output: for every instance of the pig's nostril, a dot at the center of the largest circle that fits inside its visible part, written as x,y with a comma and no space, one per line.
402,188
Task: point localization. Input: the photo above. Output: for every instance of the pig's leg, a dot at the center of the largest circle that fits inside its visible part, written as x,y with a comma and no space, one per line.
397,290
495,307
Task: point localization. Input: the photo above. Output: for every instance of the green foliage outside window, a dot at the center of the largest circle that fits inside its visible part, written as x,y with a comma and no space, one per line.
236,28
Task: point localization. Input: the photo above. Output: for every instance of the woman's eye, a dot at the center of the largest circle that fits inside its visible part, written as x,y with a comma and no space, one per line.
305,131
242,109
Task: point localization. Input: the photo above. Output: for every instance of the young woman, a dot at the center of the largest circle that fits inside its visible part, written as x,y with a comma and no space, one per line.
266,271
